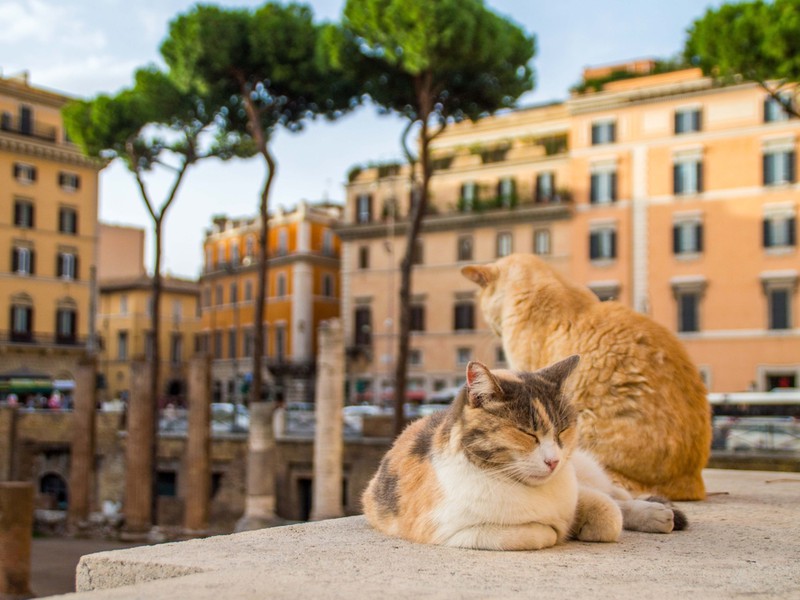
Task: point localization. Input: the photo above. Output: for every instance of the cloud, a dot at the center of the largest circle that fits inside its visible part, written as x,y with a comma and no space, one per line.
46,22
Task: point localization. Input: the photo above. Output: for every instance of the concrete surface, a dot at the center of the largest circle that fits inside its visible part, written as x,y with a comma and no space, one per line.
742,541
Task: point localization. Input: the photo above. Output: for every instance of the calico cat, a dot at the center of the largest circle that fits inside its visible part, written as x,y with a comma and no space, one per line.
497,471
642,406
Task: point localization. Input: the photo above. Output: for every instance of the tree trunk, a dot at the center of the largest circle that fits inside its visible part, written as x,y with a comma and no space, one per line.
155,360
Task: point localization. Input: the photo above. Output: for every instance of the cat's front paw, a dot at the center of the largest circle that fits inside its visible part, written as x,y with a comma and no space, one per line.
599,530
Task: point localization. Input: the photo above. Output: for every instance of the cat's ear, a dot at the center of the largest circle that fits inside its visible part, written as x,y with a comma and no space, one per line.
481,384
483,275
558,372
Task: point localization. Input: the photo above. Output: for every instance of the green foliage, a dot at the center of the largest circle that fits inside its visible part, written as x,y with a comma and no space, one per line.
452,58
276,55
758,40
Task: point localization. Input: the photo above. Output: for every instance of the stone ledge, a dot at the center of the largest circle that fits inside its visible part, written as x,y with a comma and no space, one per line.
742,541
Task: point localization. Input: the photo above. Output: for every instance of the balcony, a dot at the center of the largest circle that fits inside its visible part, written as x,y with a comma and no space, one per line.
29,128
12,338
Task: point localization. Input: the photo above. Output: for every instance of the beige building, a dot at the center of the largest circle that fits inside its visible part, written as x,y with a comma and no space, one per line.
124,319
303,289
671,193
48,236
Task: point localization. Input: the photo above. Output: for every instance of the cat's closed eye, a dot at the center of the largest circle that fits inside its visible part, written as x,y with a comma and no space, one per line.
529,434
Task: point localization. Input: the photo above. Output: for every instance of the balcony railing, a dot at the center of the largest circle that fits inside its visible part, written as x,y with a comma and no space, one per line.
40,339
29,128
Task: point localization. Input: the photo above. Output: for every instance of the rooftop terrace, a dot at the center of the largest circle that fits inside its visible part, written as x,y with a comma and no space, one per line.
742,541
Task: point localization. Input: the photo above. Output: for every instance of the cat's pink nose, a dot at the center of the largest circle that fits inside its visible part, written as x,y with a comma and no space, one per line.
552,463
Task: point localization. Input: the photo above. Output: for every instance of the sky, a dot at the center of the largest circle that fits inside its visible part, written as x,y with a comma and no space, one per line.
86,47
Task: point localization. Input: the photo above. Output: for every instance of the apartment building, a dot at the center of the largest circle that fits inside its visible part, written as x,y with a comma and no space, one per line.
48,236
670,193
302,289
124,317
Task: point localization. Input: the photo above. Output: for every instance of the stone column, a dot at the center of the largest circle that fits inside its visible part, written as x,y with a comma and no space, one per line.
16,527
81,469
198,446
328,440
259,509
138,452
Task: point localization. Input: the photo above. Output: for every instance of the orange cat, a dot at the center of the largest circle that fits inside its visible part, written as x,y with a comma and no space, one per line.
643,410
499,470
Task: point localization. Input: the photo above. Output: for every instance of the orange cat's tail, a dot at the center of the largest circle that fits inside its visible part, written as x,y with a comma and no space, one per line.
686,487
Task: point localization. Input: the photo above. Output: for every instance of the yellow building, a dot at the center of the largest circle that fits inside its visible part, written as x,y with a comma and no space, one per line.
669,192
48,236
303,289
124,319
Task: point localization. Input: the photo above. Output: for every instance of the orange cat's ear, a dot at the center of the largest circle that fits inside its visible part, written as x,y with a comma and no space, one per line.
481,384
558,372
483,275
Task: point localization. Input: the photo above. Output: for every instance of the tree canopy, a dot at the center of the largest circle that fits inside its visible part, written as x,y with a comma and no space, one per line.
757,40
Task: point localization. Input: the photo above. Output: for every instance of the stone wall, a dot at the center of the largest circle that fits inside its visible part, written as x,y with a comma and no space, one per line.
294,474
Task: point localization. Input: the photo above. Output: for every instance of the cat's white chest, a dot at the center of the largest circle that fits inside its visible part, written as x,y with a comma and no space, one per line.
473,497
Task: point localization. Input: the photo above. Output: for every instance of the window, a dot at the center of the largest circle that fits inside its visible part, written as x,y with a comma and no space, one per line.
69,181
221,255
507,192
603,186
280,342
248,291
605,290
499,356
545,187
327,243
363,326
464,250
363,208
415,357
217,344
283,242
687,237
167,484
419,252
249,247
541,242
249,342
219,294
122,345
26,120
779,303
687,120
232,343
176,348
123,304
779,287
688,292
24,173
67,220
417,317
23,260
780,380
21,323
23,214
504,244
281,285
177,310
327,285
469,196
604,132
688,308
234,292
363,257
463,355
779,231
774,110
603,244
65,325
209,258
779,167
148,345
67,265
464,316
235,254
687,176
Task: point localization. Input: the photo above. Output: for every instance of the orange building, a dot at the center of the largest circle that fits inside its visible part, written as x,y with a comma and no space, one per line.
303,289
48,236
671,193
